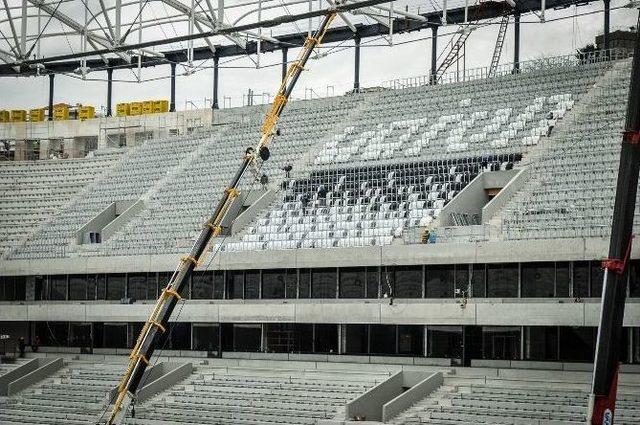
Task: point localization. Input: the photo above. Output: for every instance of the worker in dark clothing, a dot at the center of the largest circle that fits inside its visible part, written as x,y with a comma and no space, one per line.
21,346
305,202
287,170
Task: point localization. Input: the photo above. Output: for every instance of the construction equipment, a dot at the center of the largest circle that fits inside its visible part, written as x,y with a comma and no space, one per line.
602,400
18,115
497,50
36,115
158,322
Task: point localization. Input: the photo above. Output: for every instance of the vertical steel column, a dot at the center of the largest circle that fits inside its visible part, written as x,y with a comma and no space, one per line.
605,34
216,60
356,68
285,51
516,43
109,90
51,81
434,52
172,104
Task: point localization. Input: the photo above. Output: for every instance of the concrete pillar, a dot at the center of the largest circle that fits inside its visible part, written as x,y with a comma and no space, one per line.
216,61
109,90
51,82
172,103
605,34
516,42
356,69
285,51
434,52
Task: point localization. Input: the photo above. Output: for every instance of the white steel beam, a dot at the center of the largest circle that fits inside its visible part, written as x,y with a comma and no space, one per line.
13,28
23,28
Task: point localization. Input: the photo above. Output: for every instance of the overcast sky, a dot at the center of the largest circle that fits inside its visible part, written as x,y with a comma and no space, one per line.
379,62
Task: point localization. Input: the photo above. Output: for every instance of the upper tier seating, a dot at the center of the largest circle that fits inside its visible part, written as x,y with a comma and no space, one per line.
389,160
32,191
572,187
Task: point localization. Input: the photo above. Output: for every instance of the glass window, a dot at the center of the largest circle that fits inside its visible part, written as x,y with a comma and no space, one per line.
502,280
478,280
235,284
305,284
581,279
383,339
137,286
439,281
356,338
462,283
541,343
577,343
373,278
58,334
7,288
288,338
410,340
323,283
115,335
163,281
247,337
408,282
291,284
58,287
218,285
116,286
274,283
501,342
21,287
597,276
205,337
352,282
444,342
101,287
252,284
202,285
77,287
538,280
326,339
563,279
180,336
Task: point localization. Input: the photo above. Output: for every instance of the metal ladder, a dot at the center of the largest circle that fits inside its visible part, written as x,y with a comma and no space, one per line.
497,51
452,55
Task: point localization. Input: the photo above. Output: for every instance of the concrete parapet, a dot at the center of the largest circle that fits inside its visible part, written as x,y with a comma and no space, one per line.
42,368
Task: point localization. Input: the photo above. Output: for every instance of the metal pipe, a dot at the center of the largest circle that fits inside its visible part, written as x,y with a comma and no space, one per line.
516,42
434,52
285,52
356,68
109,90
216,61
172,104
605,35
51,81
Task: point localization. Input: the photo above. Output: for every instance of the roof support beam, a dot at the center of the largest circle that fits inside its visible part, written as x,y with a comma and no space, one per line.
77,27
107,20
23,28
13,28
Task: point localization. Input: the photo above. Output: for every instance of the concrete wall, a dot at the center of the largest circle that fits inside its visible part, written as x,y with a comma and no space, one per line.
172,374
410,397
368,406
250,213
478,311
46,367
130,211
438,253
518,180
